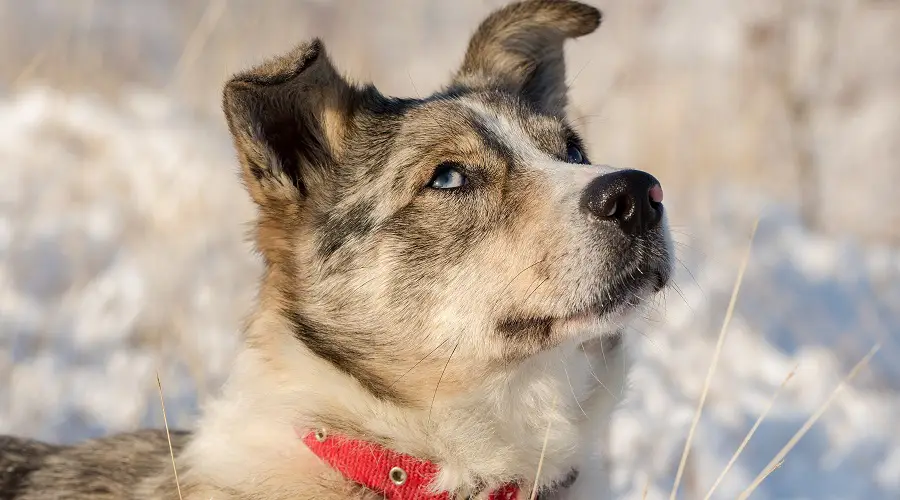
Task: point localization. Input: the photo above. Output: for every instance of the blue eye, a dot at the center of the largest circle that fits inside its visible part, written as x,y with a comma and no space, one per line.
448,176
574,154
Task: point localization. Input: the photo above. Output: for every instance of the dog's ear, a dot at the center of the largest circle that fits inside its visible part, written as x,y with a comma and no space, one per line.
288,117
520,48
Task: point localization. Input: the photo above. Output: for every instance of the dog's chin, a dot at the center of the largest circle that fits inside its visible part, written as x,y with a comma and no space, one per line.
615,305
606,311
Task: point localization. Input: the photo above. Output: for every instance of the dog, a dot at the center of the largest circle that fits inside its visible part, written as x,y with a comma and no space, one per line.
446,284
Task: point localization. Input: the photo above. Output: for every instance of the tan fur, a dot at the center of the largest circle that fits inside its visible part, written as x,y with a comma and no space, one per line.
453,325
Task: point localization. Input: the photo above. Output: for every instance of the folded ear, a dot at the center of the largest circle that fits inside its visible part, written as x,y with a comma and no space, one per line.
520,47
288,117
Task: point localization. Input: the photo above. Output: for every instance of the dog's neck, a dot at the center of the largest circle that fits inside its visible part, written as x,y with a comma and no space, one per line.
494,435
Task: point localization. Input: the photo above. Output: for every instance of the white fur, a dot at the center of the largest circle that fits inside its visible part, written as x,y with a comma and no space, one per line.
246,439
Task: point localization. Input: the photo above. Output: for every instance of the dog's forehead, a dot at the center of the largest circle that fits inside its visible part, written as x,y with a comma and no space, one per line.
518,127
489,117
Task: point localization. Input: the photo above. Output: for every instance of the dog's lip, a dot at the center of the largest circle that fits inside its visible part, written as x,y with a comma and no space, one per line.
613,298
608,300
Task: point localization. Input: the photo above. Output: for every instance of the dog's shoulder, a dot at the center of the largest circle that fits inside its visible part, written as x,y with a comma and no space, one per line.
105,468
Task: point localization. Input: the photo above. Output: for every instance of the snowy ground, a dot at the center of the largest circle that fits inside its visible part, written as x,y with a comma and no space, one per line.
122,253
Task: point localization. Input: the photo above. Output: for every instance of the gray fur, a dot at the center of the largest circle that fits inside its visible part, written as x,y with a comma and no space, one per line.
108,468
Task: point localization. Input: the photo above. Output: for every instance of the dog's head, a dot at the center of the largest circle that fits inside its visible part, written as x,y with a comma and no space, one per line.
400,233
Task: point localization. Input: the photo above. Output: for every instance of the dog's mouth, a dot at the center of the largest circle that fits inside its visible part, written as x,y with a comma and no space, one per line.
620,296
629,291
615,299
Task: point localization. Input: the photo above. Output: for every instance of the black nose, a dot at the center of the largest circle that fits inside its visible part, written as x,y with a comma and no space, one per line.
630,197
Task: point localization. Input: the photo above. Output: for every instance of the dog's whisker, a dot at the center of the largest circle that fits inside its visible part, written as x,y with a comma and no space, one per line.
683,244
419,362
594,374
497,300
649,339
681,294
519,274
562,362
535,289
602,354
424,109
434,397
688,270
561,100
585,118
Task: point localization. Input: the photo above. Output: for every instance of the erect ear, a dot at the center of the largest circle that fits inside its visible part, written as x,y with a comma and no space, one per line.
288,117
520,47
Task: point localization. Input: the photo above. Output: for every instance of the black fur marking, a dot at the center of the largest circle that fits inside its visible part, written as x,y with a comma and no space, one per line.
338,228
560,484
494,142
432,242
569,480
284,138
347,351
532,329
611,343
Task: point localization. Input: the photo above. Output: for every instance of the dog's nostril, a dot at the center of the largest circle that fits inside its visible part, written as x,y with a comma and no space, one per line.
611,207
630,197
611,211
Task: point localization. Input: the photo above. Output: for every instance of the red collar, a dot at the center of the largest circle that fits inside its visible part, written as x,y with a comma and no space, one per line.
395,475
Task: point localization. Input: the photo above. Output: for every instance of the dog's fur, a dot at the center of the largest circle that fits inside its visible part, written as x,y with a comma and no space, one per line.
455,325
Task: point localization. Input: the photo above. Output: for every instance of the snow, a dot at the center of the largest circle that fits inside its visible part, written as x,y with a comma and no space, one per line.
122,254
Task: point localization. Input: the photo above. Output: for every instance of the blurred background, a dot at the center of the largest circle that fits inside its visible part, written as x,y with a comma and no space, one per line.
122,221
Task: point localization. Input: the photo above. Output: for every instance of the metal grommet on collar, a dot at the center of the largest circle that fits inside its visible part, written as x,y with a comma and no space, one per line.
321,435
398,476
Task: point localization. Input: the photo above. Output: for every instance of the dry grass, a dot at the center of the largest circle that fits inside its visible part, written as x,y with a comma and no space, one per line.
162,404
537,475
715,361
778,459
740,448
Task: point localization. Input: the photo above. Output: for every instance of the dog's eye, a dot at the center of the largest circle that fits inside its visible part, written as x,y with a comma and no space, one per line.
575,155
448,176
